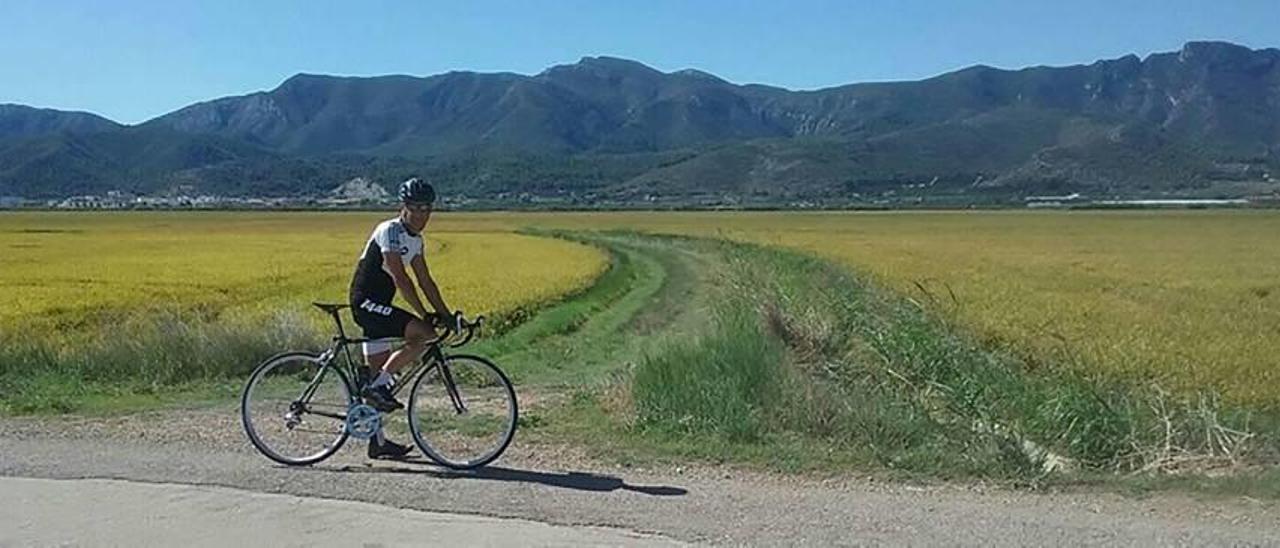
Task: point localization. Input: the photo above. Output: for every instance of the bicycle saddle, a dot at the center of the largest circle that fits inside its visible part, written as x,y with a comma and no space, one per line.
330,308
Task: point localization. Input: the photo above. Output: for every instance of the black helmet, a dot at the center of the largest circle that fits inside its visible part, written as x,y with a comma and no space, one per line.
417,191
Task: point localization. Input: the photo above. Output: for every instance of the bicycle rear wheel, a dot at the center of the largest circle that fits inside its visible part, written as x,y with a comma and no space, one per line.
294,409
462,412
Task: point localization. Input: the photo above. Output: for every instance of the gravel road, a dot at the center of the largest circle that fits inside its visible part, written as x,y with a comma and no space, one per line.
560,486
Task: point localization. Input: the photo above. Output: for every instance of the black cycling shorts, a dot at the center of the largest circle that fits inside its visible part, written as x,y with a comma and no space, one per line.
380,320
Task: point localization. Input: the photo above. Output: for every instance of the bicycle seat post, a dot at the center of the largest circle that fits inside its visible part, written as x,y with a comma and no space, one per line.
342,334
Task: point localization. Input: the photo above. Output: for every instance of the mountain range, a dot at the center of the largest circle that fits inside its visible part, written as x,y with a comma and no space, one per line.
1204,118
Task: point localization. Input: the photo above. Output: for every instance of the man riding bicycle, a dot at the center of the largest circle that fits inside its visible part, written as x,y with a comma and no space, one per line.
380,274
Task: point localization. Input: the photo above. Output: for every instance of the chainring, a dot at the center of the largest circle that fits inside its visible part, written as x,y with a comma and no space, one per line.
363,421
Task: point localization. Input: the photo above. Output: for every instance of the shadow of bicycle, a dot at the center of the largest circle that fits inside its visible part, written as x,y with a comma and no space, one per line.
580,481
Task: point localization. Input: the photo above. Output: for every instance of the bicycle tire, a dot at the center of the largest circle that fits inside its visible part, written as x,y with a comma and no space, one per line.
436,445
255,431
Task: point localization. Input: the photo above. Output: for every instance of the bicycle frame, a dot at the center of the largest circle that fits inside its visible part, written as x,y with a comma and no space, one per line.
433,356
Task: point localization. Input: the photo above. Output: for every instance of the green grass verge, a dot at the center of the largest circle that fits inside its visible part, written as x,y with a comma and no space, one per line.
800,349
583,339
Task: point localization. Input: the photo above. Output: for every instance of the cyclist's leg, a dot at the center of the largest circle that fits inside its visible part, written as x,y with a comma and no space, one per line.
383,320
417,334
380,320
376,352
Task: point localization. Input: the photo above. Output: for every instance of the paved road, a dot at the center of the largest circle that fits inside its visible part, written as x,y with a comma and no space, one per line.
44,512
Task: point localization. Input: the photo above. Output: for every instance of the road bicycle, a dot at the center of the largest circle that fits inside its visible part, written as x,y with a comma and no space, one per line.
299,408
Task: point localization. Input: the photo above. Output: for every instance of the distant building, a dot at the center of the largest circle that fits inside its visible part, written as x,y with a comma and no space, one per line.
1053,201
1176,202
1063,198
92,202
358,190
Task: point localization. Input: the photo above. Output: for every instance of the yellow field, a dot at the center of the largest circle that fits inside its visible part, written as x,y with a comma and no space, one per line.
66,273
1190,299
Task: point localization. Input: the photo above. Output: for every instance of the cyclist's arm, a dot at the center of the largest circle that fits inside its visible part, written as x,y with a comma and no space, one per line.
395,264
428,285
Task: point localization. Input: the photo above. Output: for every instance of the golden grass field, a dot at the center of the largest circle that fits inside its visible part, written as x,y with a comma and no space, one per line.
1190,299
66,273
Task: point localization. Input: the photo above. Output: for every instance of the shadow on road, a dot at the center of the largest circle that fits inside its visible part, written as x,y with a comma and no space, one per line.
581,481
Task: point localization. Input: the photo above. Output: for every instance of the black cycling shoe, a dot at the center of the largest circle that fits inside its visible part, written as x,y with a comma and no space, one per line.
381,398
388,450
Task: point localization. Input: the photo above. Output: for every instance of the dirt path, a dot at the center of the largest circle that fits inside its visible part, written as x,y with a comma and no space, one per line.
556,485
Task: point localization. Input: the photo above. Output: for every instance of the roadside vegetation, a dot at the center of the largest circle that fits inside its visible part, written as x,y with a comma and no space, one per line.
709,350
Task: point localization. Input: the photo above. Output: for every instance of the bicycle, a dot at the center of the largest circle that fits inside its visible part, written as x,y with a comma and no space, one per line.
299,408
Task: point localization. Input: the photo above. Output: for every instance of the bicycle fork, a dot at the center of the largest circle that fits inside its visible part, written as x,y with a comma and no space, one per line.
436,359
459,406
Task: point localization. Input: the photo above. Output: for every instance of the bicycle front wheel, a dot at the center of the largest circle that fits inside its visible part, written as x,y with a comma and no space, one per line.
294,409
462,412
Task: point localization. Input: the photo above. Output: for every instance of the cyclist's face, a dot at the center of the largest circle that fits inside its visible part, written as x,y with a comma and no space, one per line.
416,215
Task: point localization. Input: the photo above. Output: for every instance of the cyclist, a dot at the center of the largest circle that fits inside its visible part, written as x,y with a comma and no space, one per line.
394,247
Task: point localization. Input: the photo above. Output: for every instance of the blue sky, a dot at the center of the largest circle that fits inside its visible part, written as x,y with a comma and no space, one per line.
131,60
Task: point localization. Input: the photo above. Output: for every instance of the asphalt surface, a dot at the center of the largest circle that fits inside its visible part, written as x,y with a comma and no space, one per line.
88,512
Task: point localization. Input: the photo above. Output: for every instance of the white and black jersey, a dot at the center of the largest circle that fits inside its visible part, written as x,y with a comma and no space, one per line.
372,280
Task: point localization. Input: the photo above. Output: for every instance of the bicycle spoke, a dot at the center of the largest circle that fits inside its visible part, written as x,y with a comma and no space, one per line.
310,431
463,412
295,429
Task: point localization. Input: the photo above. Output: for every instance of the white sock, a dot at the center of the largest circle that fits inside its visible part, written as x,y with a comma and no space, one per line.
379,437
383,379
